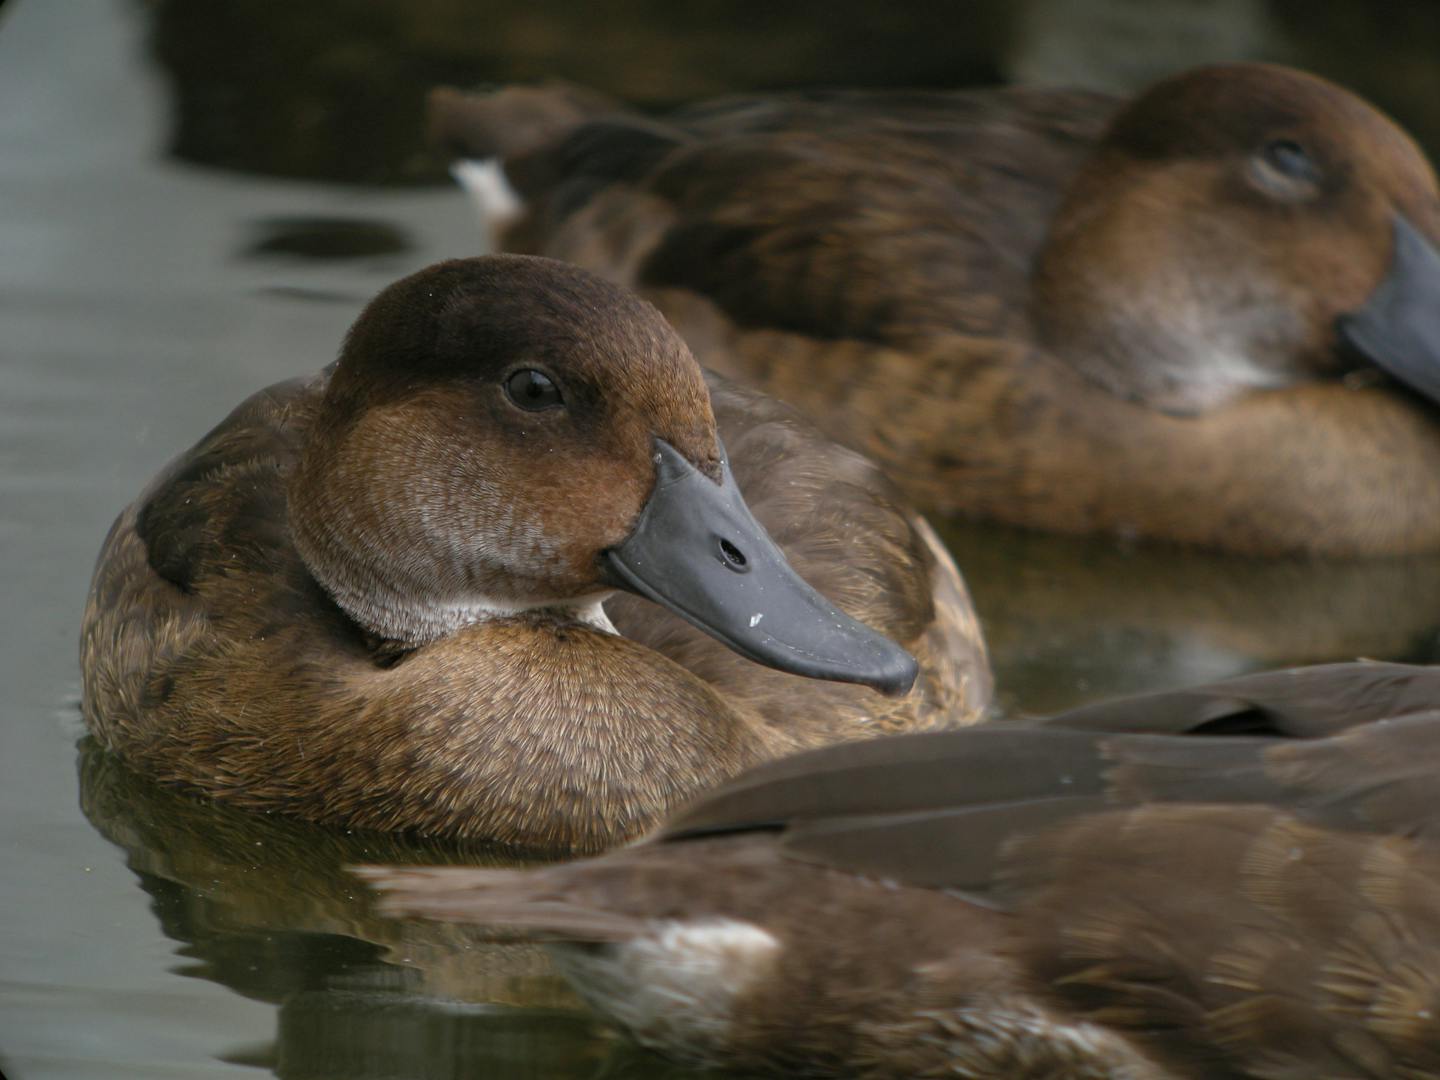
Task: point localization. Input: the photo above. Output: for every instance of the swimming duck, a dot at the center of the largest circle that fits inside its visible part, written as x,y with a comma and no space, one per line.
1048,308
1235,880
376,597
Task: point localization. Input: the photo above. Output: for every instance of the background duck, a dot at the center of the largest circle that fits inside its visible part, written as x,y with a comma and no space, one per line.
372,597
1053,309
1250,888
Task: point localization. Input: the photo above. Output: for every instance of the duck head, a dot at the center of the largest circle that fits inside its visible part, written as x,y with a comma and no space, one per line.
510,433
1236,225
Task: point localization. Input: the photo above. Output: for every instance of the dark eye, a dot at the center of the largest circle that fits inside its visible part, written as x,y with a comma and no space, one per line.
533,390
1290,160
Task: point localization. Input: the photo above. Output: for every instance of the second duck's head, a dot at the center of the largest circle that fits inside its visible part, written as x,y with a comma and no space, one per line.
1235,227
507,434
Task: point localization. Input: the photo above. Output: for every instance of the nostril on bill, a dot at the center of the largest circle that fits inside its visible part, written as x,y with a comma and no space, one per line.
733,557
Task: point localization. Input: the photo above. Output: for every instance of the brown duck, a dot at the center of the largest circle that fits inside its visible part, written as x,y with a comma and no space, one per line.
1241,880
373,597
1053,309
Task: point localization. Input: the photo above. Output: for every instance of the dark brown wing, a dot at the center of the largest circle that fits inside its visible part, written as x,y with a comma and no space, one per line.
221,505
1297,702
872,215
940,809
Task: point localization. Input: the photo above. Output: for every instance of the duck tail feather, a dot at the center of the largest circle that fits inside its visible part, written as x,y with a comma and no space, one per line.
515,903
906,774
957,849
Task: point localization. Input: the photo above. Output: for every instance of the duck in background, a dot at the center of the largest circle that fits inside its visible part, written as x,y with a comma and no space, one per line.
1237,880
1053,309
377,597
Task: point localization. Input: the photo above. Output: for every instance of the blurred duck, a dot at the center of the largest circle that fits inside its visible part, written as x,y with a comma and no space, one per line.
1053,309
373,597
1241,880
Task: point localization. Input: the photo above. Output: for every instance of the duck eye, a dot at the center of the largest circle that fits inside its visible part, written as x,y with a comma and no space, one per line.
1290,160
533,390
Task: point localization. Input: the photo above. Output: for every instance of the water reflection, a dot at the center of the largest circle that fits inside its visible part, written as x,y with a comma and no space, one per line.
1073,620
359,1035
265,907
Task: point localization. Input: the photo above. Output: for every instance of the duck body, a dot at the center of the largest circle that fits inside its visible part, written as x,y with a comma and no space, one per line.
1053,309
1239,880
355,600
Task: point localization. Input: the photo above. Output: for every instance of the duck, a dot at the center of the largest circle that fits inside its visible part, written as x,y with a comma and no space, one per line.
391,595
1205,315
1240,879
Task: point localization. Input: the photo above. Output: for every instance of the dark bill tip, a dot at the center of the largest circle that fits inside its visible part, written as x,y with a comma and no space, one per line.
1398,328
698,551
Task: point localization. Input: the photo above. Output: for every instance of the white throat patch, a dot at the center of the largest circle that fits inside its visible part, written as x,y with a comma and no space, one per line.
589,610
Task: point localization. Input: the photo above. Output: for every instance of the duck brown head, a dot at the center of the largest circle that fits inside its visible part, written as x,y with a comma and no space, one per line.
511,433
1235,227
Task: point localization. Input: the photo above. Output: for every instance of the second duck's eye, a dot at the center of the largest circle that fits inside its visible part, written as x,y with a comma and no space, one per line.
1290,158
533,390
1286,168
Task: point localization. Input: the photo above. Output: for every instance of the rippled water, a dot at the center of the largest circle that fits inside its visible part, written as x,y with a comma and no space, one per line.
148,935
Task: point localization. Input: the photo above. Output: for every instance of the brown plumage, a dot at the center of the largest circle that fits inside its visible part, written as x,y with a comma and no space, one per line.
370,597
1052,309
1240,880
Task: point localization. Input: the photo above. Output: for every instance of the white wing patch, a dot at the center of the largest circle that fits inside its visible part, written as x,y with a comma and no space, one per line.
675,987
495,200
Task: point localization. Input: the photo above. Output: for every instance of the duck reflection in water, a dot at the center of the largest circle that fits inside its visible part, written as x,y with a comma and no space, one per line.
264,906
